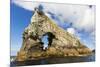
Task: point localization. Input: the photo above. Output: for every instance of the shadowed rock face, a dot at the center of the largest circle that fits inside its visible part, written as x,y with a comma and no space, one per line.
61,43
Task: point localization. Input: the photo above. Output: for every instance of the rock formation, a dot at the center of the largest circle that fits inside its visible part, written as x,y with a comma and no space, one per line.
61,43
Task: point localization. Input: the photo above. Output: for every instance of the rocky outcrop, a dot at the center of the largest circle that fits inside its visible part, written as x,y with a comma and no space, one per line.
61,43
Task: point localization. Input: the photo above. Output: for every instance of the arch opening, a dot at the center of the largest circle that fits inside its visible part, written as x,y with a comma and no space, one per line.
47,40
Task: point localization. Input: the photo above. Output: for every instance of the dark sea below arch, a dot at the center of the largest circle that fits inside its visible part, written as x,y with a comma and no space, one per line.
52,60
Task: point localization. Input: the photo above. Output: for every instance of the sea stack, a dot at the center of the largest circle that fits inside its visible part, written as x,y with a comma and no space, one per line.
60,42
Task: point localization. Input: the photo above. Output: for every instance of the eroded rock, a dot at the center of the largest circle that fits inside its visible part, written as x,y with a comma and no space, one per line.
61,43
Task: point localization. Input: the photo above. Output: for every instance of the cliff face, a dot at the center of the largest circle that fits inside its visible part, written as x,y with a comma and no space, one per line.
61,43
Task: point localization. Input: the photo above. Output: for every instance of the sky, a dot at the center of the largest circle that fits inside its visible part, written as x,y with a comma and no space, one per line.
79,20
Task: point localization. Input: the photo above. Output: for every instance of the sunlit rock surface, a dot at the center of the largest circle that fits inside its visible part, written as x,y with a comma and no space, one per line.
61,43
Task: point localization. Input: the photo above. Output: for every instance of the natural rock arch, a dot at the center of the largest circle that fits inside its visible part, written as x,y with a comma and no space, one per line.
59,40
